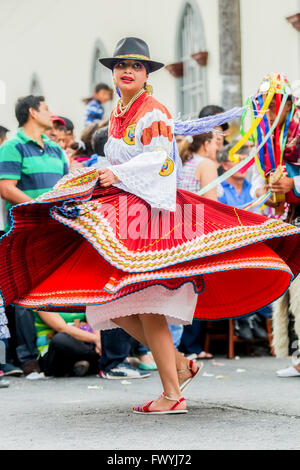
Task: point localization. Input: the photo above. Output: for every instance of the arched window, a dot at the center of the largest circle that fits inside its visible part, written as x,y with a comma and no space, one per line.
192,89
99,74
35,86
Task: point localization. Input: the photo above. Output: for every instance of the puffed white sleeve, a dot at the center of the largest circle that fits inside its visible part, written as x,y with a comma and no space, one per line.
151,175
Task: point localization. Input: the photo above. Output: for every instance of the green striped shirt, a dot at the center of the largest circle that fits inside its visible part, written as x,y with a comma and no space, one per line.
37,169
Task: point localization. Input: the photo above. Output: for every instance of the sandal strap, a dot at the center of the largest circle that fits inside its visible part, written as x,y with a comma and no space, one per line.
190,368
145,408
178,400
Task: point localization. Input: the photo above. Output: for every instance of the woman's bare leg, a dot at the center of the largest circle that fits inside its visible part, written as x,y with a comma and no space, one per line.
160,341
133,326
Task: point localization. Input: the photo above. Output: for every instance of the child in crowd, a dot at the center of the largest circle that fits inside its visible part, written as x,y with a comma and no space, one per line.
94,111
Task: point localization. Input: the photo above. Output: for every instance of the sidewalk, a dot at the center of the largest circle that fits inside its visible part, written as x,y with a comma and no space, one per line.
240,405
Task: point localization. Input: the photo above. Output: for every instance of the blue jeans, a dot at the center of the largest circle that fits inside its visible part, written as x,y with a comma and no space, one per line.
116,346
176,332
190,340
26,335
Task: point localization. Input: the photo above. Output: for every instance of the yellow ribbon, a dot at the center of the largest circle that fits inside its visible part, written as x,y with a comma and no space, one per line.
253,126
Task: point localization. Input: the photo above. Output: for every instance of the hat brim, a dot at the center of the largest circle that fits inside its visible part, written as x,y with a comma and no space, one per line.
109,62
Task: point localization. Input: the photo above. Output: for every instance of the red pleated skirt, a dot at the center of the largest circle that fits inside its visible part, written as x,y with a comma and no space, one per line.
80,245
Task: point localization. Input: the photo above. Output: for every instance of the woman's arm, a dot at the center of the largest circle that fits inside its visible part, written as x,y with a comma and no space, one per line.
152,173
206,172
58,324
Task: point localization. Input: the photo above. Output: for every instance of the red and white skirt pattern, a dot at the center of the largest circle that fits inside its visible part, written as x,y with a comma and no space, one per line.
81,245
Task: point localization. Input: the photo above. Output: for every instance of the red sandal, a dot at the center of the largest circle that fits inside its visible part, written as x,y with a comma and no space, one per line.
188,381
145,408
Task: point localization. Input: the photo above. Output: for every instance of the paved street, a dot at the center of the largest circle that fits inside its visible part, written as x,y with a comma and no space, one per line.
240,405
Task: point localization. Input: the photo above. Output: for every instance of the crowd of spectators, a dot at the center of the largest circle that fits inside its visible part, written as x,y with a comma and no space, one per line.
45,148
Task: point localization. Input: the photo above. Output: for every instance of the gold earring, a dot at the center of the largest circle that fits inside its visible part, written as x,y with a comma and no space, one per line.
148,88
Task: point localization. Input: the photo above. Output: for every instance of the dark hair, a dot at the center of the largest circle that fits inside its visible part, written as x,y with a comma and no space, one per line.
101,86
69,124
99,139
24,104
87,136
186,149
3,132
212,110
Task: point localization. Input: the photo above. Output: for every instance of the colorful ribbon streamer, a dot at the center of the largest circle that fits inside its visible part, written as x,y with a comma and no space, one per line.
240,165
257,202
254,124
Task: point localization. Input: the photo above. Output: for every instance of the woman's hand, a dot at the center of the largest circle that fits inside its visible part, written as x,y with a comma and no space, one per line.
107,178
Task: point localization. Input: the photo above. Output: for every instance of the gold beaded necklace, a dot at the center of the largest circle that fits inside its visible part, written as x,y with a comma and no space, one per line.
124,109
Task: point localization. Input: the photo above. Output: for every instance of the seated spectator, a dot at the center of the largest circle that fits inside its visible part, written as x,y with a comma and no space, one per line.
21,182
236,193
236,189
68,346
94,111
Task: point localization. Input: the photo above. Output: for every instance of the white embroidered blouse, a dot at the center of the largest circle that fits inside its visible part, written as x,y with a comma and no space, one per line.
144,159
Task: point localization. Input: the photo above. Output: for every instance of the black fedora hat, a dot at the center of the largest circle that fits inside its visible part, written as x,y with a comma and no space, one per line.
132,48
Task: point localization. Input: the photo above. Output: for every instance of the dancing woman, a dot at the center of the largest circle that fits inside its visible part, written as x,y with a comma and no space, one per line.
137,253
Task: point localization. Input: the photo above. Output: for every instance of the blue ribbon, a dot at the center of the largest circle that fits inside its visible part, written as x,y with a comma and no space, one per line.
269,141
261,153
286,128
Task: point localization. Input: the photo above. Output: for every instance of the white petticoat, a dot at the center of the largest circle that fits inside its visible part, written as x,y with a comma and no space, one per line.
177,305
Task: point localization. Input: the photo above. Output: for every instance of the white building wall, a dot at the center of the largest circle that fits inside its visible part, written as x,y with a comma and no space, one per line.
269,42
55,39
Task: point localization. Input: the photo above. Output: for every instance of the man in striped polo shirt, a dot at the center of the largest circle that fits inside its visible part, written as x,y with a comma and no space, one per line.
30,165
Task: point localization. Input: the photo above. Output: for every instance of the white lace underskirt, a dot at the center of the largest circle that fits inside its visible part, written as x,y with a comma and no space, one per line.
178,306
